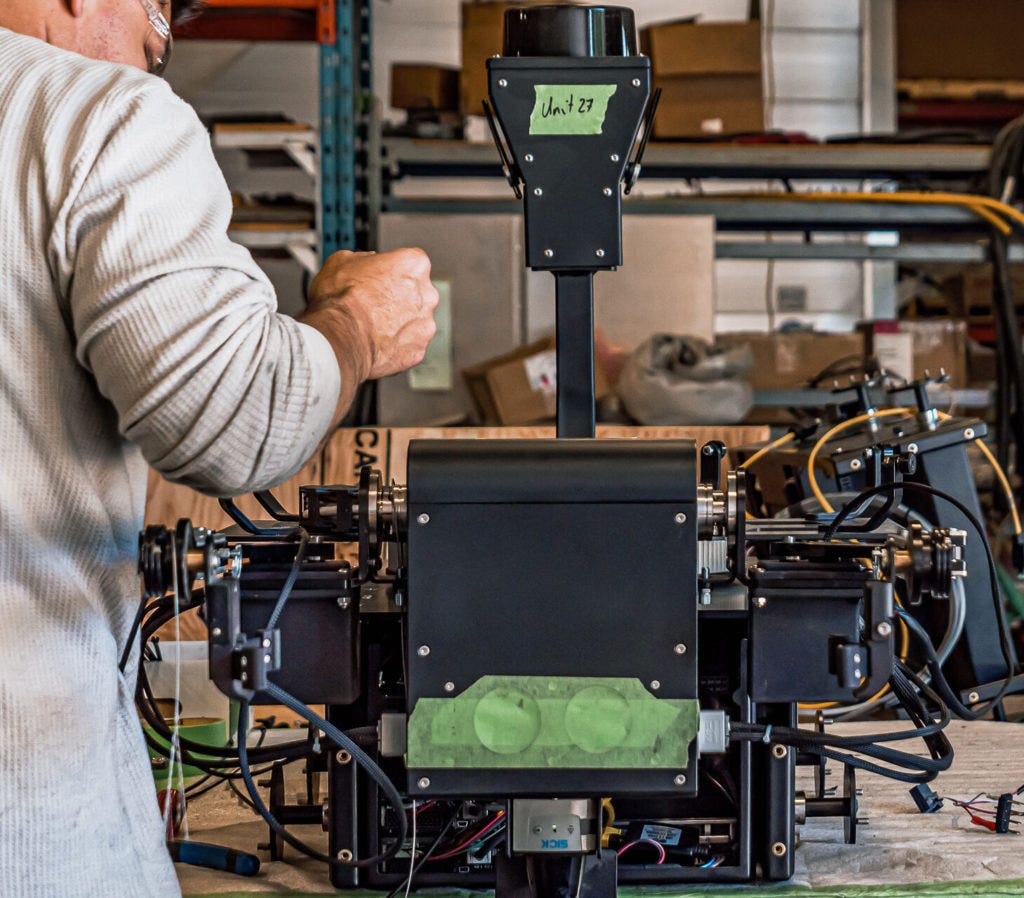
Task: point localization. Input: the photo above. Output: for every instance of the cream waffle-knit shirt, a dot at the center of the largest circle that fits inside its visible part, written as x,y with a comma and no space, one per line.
131,331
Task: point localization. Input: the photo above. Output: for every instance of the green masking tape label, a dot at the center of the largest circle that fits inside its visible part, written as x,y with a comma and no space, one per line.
552,723
570,108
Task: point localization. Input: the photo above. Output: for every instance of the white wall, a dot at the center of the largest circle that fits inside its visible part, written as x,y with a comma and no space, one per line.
813,55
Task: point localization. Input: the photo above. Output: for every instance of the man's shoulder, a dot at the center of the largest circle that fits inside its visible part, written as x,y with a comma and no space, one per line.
69,84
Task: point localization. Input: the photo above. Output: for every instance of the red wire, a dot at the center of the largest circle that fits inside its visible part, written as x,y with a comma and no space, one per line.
471,839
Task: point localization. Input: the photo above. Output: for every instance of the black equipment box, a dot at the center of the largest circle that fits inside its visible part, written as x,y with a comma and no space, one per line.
558,559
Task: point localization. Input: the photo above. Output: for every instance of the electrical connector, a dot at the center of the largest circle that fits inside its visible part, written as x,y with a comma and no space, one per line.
804,428
1003,810
925,798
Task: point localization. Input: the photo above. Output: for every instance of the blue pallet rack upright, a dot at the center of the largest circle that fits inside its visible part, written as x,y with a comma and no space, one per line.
345,86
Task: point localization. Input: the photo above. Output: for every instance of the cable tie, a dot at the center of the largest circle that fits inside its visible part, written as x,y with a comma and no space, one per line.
767,737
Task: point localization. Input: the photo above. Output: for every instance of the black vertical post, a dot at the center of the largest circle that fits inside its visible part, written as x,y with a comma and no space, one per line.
574,299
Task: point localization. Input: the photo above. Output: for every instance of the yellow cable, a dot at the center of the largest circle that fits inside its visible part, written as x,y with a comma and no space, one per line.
1004,481
839,428
984,207
764,450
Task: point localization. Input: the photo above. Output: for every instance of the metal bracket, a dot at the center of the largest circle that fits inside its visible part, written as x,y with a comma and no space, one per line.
634,168
512,173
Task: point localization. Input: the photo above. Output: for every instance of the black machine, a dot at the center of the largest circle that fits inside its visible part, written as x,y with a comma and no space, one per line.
567,664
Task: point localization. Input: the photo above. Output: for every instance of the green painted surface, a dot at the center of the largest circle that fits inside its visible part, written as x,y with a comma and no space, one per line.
552,722
204,730
991,889
562,109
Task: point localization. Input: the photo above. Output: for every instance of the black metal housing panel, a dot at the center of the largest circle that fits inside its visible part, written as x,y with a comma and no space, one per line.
572,182
563,587
453,472
792,643
319,637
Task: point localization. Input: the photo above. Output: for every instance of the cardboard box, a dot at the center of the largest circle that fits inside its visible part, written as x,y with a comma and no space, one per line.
790,361
710,77
938,345
521,387
424,87
388,448
483,36
952,39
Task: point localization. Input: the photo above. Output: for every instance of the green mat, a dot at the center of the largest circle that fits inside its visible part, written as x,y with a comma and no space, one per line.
997,889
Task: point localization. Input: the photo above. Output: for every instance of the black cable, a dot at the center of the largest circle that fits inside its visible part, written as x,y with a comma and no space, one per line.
942,686
1004,636
130,642
426,855
257,799
289,584
360,756
211,753
922,770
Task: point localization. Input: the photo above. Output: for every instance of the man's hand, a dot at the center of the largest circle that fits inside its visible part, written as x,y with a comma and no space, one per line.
387,298
377,312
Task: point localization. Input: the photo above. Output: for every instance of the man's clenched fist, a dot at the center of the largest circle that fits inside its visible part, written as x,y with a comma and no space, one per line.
386,297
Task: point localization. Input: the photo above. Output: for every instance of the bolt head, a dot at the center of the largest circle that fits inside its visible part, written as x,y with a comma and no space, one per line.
614,157
423,519
528,157
424,782
680,779
549,253
449,686
599,253
912,448
655,684
636,82
974,697
342,757
760,602
538,192
778,849
680,518
969,433
856,464
884,628
680,648
423,651
607,191
216,631
503,82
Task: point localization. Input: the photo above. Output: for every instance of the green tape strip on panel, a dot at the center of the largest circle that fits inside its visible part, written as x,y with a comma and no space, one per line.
570,109
552,722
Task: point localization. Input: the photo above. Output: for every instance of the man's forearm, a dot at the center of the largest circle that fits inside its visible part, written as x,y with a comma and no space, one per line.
353,348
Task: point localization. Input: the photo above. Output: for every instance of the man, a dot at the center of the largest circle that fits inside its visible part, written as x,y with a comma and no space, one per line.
131,331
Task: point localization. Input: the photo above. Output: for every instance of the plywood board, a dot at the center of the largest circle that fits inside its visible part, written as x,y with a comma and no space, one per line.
388,448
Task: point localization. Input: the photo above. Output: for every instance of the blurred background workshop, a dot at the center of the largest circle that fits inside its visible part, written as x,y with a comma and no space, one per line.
822,284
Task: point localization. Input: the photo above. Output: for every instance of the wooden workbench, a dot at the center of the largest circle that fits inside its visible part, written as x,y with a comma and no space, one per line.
900,853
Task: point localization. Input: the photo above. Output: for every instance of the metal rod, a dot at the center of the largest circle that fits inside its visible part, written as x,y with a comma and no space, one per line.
574,300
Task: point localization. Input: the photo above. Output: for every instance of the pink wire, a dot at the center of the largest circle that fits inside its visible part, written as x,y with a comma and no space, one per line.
658,845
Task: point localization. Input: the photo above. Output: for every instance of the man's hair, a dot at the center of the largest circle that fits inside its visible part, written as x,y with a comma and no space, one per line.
185,10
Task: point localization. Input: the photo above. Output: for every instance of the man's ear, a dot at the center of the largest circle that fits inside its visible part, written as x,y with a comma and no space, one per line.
76,8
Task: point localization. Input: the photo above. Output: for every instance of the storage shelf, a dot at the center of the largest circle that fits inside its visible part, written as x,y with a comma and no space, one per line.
298,141
407,157
301,245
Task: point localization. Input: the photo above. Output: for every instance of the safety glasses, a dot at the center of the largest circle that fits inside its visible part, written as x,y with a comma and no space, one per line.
158,42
